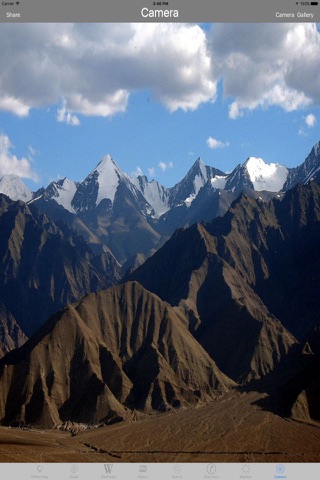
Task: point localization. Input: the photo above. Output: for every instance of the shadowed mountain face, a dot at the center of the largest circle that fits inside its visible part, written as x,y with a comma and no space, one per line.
11,335
45,265
293,388
241,275
302,392
122,227
119,349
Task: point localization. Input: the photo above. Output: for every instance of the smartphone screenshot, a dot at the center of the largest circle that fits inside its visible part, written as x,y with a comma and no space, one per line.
159,240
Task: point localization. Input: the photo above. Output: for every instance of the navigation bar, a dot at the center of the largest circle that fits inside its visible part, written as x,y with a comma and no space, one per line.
160,471
231,11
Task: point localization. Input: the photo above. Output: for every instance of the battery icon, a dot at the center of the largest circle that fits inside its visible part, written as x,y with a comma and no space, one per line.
314,3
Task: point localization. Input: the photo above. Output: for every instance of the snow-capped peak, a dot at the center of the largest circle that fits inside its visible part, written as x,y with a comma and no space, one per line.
13,186
200,164
108,175
198,168
196,178
266,176
106,164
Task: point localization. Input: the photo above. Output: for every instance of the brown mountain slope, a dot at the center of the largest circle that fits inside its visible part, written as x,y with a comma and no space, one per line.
226,315
119,348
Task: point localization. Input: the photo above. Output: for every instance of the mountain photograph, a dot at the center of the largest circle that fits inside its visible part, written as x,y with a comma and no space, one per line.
159,288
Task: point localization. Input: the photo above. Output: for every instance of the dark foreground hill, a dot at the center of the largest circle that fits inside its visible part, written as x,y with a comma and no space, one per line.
45,265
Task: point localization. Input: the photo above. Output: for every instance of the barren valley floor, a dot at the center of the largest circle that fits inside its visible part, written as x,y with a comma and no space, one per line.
231,429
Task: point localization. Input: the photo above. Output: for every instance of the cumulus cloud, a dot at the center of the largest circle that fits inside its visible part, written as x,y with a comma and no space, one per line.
164,165
95,67
213,143
234,111
10,164
66,117
262,65
310,120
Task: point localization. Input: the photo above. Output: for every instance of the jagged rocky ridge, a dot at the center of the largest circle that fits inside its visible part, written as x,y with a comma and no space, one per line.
132,217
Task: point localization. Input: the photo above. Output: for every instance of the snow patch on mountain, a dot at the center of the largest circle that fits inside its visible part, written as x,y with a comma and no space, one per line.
198,183
14,188
155,194
108,178
219,181
190,199
64,193
266,176
203,169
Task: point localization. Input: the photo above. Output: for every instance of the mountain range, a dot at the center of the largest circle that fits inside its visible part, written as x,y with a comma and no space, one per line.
220,304
133,217
228,303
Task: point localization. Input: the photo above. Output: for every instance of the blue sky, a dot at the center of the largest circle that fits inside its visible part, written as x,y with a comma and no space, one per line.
156,97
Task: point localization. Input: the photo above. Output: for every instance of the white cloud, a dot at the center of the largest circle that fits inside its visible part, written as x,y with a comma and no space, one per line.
213,143
138,171
10,164
310,120
151,171
234,111
95,67
14,105
164,165
66,117
262,65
